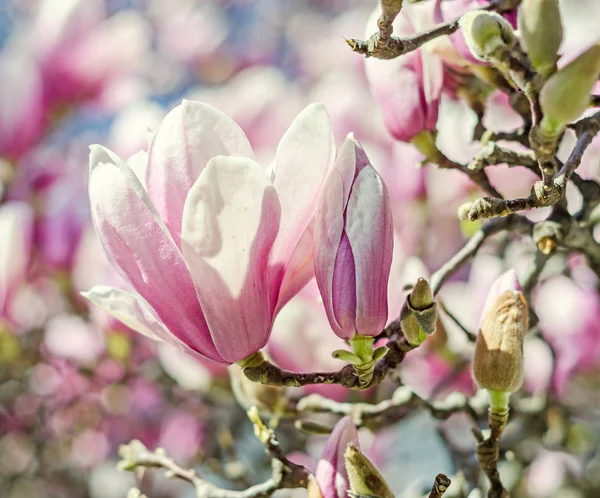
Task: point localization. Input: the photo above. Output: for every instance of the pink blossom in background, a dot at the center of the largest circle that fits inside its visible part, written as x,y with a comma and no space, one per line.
79,50
234,211
21,101
407,88
570,321
353,245
331,473
16,231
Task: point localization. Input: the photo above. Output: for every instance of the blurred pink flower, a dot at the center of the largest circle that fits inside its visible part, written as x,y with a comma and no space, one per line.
407,88
181,435
16,229
570,320
331,473
80,50
353,245
213,244
21,101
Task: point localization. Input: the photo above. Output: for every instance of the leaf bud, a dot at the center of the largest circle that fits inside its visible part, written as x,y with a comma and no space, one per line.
566,94
541,33
418,316
364,477
487,34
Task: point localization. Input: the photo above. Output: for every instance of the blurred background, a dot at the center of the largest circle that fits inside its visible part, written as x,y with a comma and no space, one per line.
75,383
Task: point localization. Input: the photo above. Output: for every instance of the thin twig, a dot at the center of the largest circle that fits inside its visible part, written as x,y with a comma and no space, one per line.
403,399
474,243
284,474
470,335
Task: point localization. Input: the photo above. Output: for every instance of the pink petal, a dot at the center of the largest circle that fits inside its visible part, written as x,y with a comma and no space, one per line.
16,231
305,156
331,471
230,221
133,311
329,227
370,232
344,288
432,69
135,238
188,137
299,271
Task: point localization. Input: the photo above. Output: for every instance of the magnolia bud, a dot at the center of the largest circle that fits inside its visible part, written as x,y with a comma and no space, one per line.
487,34
541,33
364,477
566,94
498,360
419,315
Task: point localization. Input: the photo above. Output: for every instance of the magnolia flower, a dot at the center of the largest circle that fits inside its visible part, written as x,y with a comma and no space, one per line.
211,242
407,88
16,231
353,245
331,473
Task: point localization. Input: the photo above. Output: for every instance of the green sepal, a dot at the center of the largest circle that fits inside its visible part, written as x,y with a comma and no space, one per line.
347,356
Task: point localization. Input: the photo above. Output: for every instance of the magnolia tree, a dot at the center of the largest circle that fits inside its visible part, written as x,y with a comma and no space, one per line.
272,269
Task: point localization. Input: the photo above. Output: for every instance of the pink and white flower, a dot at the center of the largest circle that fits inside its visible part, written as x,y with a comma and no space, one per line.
212,242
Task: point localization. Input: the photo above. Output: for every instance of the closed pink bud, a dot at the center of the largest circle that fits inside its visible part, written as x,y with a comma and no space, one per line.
353,245
408,88
331,473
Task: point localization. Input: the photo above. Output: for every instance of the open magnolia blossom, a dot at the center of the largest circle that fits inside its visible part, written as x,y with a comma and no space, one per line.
212,243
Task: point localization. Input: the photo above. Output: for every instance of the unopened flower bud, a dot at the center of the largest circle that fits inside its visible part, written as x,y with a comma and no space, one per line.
365,479
498,360
331,473
419,315
487,34
566,94
541,33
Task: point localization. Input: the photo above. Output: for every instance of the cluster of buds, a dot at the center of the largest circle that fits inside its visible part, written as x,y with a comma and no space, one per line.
564,94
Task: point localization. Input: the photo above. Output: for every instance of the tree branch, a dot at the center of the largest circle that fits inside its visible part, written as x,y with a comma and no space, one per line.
285,474
258,369
469,250
403,399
